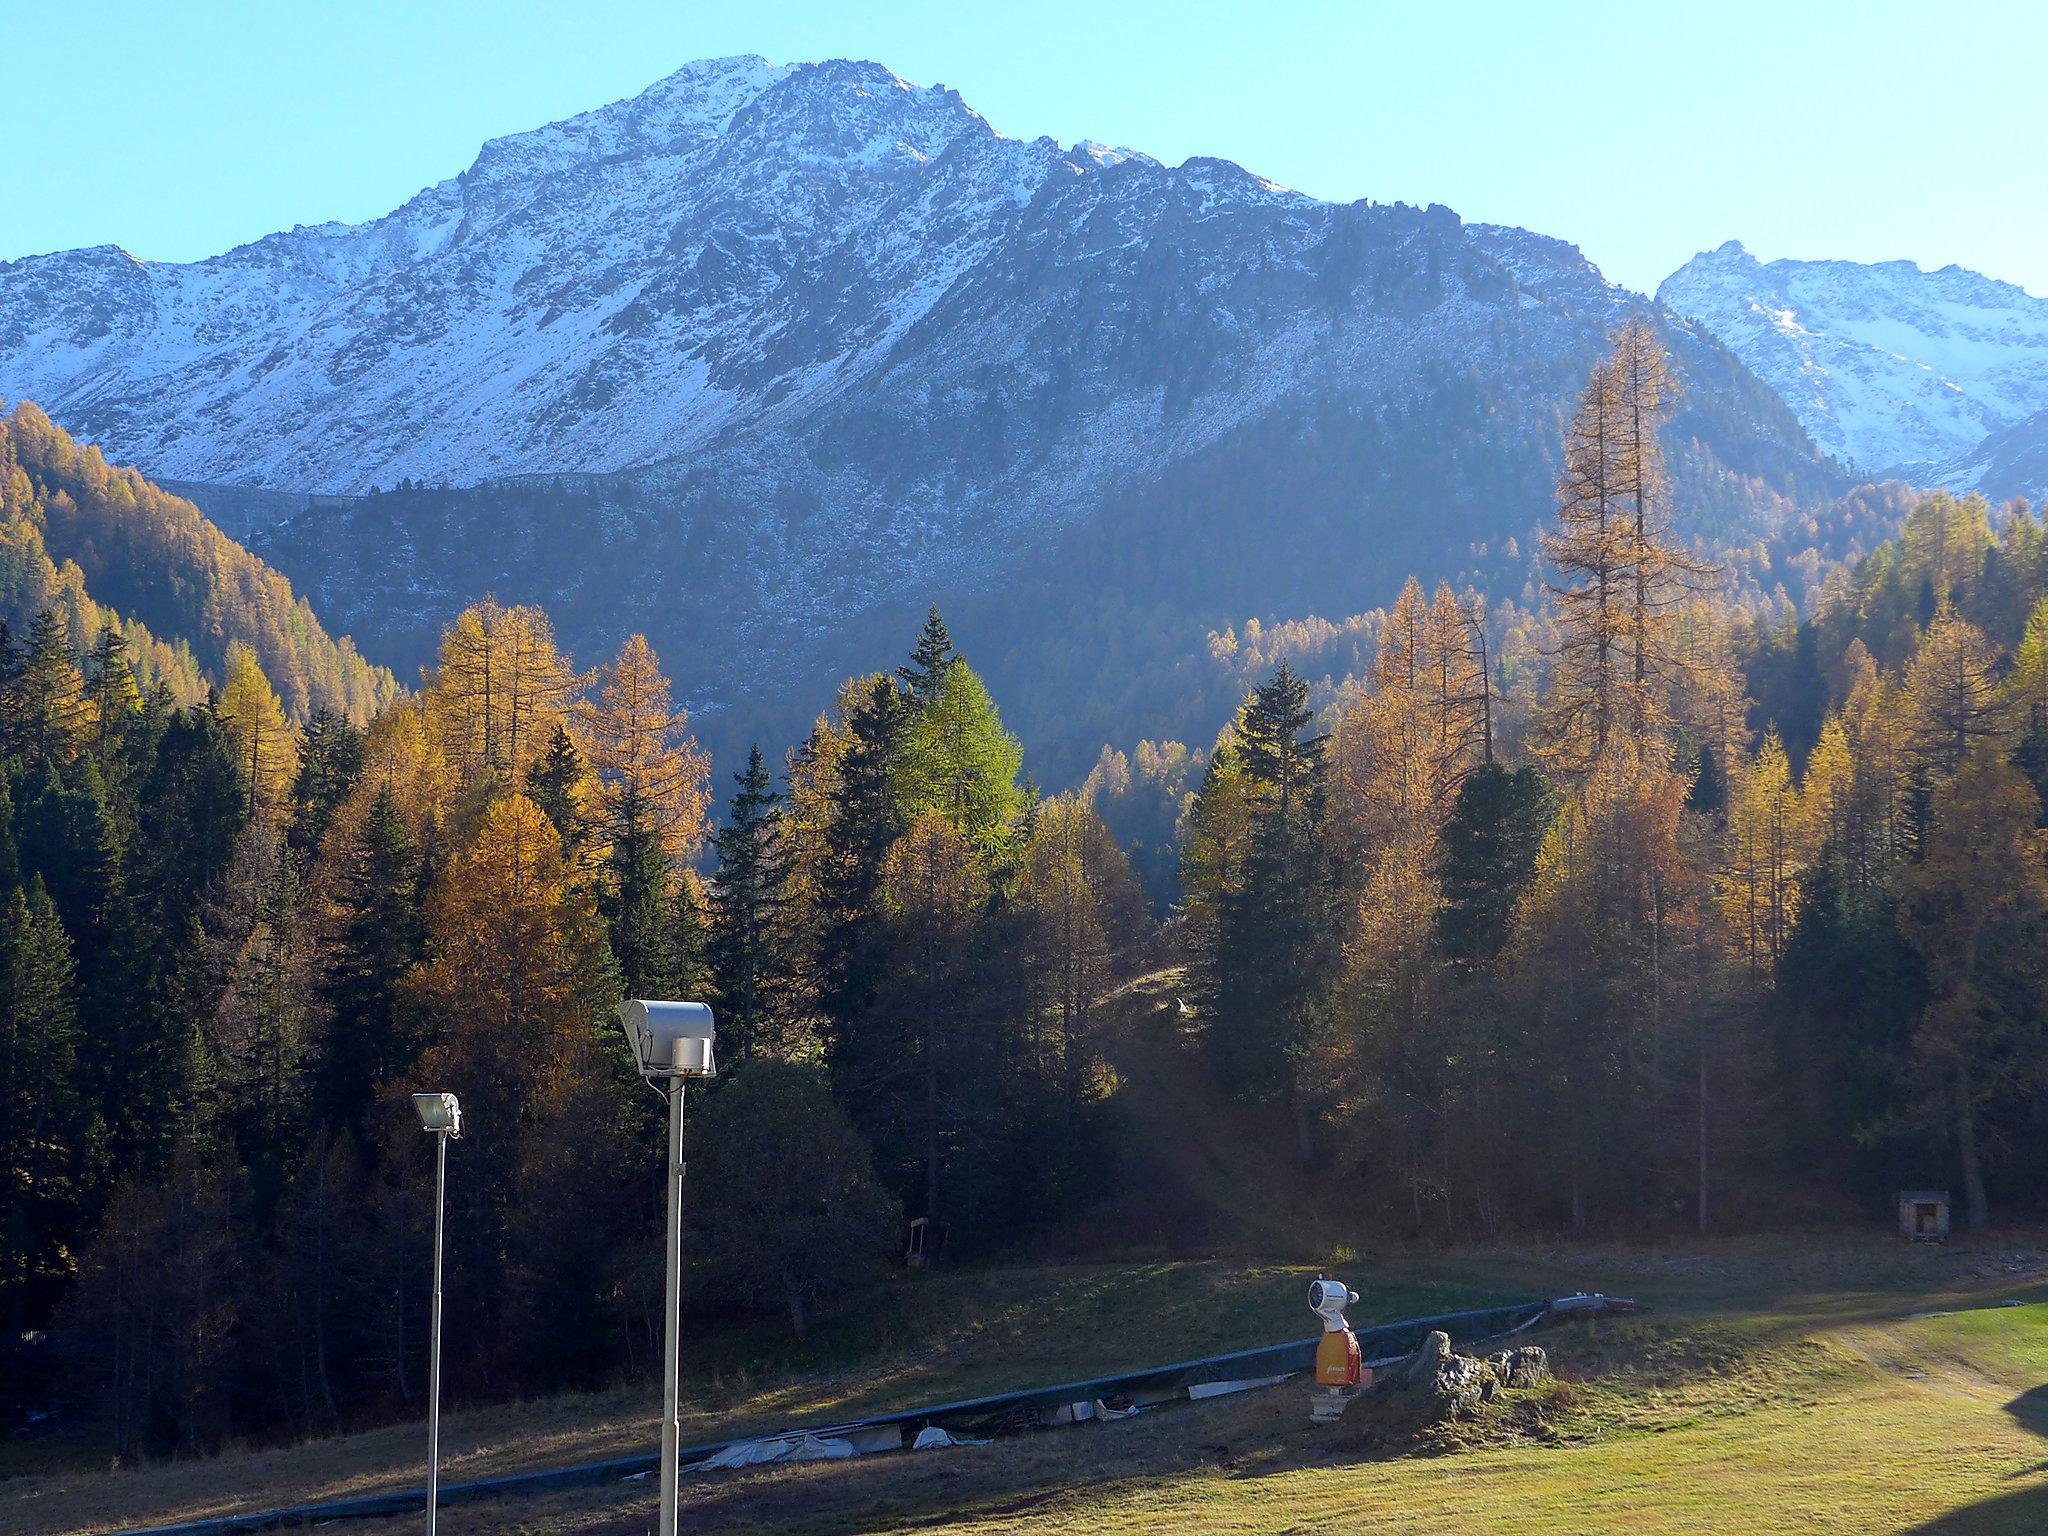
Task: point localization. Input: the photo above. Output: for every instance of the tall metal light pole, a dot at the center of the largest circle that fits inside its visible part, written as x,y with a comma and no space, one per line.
440,1114
672,1318
671,1044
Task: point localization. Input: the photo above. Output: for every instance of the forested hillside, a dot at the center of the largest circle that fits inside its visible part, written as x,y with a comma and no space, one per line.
104,548
1661,905
1091,627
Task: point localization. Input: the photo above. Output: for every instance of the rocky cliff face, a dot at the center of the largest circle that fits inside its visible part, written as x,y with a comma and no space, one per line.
1894,370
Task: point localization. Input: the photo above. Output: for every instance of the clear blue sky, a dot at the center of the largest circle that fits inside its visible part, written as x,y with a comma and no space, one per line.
1643,132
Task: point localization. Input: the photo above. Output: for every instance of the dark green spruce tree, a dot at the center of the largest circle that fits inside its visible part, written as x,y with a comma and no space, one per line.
1490,841
852,941
1278,933
116,700
65,832
748,937
366,1041
49,705
639,905
330,760
925,672
190,810
47,1140
551,784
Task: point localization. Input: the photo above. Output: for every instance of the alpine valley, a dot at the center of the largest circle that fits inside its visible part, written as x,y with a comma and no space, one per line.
767,359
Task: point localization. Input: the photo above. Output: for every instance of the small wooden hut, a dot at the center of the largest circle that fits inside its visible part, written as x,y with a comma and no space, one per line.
1923,1215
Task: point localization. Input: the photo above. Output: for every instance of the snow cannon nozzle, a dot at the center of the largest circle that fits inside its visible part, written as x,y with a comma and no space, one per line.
1328,1299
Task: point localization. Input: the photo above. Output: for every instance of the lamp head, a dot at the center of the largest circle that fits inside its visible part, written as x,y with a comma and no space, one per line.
669,1039
439,1112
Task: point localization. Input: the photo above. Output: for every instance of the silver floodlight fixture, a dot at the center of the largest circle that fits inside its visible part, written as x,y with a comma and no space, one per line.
669,1040
439,1112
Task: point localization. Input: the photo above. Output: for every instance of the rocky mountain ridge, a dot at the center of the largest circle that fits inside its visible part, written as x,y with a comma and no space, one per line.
1898,371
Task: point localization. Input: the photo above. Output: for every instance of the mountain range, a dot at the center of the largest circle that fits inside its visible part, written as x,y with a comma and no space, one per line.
1898,372
767,358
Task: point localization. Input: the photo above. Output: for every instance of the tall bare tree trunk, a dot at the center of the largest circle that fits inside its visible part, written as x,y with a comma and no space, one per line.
1976,1207
1703,1120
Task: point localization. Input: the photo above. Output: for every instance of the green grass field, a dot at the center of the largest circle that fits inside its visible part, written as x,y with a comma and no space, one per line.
1844,1385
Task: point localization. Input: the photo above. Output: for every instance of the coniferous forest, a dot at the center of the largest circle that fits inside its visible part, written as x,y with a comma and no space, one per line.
1641,909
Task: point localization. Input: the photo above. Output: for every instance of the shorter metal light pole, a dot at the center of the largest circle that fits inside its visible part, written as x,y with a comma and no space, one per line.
440,1114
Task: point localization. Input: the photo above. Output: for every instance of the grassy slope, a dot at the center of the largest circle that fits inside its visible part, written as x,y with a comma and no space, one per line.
1777,1387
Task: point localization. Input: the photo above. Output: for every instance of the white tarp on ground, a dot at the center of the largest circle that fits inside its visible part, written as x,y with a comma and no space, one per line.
1081,1413
855,1442
933,1438
754,1453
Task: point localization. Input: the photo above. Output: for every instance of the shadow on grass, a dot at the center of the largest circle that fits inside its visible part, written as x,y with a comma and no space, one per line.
2013,1514
2022,1513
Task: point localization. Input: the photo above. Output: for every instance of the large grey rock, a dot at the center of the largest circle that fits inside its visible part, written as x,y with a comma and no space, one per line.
1443,1384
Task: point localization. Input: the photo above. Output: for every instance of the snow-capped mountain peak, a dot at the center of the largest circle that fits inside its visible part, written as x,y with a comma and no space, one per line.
1892,368
749,258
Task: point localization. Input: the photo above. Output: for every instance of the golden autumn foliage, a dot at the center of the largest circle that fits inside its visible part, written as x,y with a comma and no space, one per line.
1766,854
1975,910
499,688
403,752
1083,904
1952,695
179,590
514,949
1619,575
264,740
642,751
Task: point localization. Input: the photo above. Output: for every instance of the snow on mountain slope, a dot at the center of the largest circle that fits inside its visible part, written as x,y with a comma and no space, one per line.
735,250
1893,369
731,246
600,292
2012,461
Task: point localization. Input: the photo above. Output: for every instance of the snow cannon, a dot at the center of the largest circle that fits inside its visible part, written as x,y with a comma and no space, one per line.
1339,1374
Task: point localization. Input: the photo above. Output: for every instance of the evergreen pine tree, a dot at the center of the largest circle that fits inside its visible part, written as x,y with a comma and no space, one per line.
329,762
749,944
637,902
65,834
13,696
1278,936
50,702
189,813
10,855
863,823
44,1118
929,662
111,690
1491,842
551,785
366,1042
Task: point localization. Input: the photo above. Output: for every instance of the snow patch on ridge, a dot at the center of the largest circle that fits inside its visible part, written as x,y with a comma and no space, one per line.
1892,368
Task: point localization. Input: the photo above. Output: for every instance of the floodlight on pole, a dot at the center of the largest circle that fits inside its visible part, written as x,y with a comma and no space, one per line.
671,1044
441,1116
